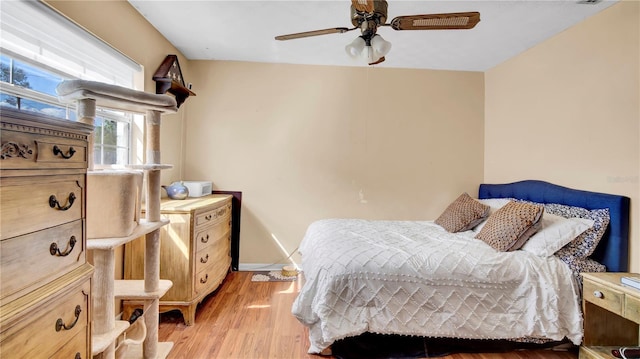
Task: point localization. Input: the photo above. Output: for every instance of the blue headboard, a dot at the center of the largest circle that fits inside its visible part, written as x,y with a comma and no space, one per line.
613,249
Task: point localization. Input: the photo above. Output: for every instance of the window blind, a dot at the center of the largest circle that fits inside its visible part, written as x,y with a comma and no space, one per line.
36,32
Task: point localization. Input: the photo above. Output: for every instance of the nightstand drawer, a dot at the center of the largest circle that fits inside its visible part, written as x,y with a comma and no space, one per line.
40,202
632,308
606,298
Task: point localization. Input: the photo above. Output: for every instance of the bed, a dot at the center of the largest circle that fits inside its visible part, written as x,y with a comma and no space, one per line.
416,278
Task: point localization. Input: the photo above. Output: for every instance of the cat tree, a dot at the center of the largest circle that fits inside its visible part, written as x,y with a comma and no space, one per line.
107,333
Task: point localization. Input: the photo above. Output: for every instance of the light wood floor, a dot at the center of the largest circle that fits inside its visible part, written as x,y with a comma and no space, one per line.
252,320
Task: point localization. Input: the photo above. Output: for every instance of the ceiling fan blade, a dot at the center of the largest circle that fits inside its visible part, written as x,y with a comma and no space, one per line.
450,21
363,5
313,33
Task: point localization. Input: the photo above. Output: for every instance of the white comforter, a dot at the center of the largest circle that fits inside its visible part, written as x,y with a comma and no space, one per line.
415,278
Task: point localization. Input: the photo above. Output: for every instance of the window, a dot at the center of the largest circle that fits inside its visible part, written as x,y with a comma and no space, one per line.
112,138
33,89
40,48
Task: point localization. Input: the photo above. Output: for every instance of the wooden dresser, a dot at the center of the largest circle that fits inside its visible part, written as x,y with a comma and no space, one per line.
195,252
611,315
45,280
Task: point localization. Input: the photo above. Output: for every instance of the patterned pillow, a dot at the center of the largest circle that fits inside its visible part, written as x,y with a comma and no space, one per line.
495,204
584,245
462,214
508,228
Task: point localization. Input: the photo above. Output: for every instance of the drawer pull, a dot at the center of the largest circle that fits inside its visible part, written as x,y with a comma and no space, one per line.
207,217
60,323
205,259
204,239
78,356
58,152
598,294
55,251
53,202
205,279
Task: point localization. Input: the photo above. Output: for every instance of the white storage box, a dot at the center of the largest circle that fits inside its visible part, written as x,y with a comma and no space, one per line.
198,188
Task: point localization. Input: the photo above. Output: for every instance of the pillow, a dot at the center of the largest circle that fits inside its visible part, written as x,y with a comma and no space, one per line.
509,227
462,214
555,232
495,203
584,245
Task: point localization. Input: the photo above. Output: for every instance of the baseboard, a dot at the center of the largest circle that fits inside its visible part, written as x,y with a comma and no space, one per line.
252,267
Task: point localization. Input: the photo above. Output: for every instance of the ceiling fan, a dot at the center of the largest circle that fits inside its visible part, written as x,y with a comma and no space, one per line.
368,15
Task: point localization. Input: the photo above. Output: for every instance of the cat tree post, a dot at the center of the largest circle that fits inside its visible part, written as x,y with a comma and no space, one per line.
86,111
102,296
152,240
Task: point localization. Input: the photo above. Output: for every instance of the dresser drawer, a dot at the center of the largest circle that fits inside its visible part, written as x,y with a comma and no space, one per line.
50,326
632,308
208,236
35,259
76,348
40,202
213,216
212,254
24,150
204,258
603,297
212,275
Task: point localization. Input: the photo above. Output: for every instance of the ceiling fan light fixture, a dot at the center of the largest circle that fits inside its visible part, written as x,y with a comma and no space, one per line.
371,49
380,46
355,48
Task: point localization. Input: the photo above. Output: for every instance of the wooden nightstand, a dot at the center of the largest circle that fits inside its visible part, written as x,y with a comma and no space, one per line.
611,314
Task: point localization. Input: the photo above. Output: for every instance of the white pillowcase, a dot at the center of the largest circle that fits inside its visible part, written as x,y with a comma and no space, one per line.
495,203
555,233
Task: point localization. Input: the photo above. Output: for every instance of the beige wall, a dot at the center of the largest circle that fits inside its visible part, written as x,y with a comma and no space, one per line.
309,142
568,111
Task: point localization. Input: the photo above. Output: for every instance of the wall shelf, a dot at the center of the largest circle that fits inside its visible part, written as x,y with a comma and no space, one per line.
168,78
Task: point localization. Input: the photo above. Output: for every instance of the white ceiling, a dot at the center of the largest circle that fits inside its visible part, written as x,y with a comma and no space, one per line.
245,30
